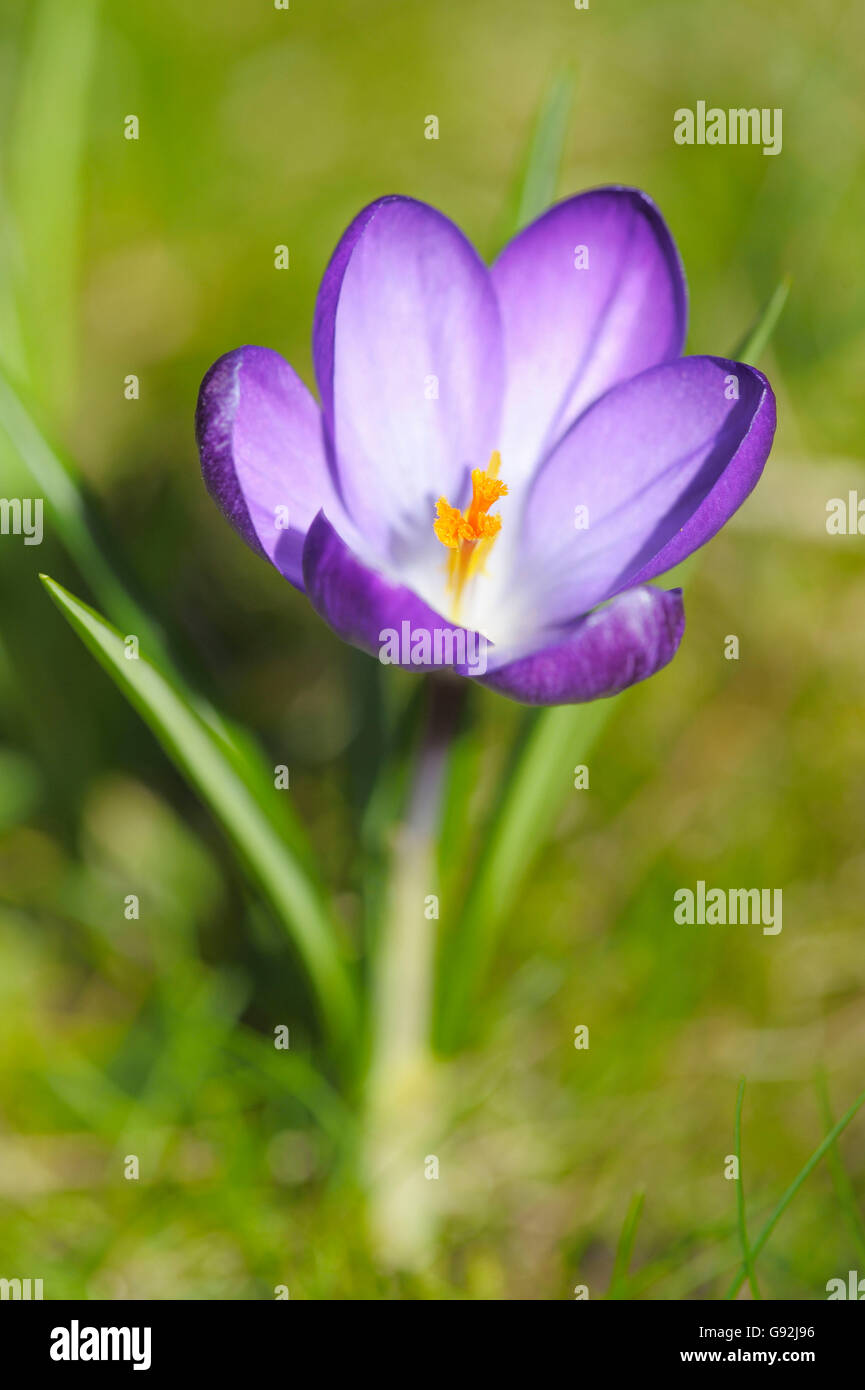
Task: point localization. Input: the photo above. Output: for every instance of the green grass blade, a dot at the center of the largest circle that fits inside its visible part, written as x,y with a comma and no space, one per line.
545,153
625,1249
67,510
751,348
45,153
12,349
68,513
202,759
740,1194
791,1191
840,1178
535,187
536,786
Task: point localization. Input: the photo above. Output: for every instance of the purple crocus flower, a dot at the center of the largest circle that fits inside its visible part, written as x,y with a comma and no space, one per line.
549,387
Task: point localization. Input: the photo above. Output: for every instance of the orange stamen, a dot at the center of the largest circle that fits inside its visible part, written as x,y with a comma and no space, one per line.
469,534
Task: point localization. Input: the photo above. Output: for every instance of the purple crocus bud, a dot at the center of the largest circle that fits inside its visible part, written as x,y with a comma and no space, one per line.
503,457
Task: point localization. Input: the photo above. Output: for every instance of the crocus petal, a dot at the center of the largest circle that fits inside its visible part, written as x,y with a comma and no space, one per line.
262,453
361,605
591,293
614,647
659,464
407,349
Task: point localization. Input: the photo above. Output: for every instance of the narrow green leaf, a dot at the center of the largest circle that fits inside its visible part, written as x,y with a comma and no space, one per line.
535,187
545,153
791,1191
56,480
11,330
45,153
625,1249
751,348
69,514
740,1194
541,777
840,1178
202,758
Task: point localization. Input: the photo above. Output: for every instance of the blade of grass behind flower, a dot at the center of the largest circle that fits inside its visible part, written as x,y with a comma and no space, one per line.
625,1249
541,776
840,1178
68,512
535,187
751,348
45,157
740,1194
791,1191
202,759
11,331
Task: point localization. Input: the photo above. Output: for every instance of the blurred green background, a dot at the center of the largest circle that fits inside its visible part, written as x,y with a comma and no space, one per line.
155,1037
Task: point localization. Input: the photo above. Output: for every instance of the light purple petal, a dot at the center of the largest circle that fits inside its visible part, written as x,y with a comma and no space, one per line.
690,526
571,333
262,453
407,349
659,464
361,605
614,647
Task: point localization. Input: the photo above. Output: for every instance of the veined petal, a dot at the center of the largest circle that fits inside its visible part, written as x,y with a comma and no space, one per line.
262,453
649,473
407,348
630,639
361,605
591,293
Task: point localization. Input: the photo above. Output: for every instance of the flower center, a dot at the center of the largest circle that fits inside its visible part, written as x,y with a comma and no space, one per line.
469,535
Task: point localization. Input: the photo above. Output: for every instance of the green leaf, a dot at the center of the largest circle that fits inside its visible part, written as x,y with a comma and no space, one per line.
203,759
625,1249
69,514
740,1194
840,1179
534,788
46,155
791,1191
536,185
751,348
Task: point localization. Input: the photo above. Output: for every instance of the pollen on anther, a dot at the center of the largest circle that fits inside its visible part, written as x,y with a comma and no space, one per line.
469,534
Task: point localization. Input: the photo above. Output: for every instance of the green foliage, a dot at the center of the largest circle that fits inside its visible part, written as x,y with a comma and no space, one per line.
210,768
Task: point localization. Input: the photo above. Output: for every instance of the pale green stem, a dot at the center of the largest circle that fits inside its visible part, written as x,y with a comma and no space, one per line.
400,1142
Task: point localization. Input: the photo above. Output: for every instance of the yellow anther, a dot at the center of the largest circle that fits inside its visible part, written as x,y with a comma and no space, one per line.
469,534
449,525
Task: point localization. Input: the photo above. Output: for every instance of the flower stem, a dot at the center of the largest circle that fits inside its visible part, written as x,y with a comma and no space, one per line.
400,1128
